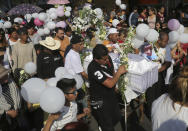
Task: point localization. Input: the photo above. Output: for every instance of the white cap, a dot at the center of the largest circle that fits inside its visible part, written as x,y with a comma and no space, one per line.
112,31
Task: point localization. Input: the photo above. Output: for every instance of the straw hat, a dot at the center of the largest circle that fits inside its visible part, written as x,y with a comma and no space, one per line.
50,43
3,71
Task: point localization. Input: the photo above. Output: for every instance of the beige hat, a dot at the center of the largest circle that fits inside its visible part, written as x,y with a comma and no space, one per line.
3,71
50,43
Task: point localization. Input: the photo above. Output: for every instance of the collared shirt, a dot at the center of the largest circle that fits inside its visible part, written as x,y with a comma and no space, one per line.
73,62
97,74
10,98
69,114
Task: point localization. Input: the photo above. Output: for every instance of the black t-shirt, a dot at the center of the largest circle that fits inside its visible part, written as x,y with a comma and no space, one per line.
97,74
47,64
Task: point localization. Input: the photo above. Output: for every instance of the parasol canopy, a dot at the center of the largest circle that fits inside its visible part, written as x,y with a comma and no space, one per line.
24,9
58,2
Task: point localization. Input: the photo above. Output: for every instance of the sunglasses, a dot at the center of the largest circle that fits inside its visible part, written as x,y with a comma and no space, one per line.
74,92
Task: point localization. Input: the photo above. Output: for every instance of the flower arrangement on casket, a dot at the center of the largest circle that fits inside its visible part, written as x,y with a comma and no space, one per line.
141,73
124,50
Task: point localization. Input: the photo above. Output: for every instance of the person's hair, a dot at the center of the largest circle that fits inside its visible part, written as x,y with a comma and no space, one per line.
142,9
58,28
29,26
66,84
2,32
153,10
99,51
22,31
76,126
3,40
15,24
161,7
159,23
178,91
162,34
11,30
135,8
123,31
68,29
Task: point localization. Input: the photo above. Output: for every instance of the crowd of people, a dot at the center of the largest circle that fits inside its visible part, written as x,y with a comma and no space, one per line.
165,104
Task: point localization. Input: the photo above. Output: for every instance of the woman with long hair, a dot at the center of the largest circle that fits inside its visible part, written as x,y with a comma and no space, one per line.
170,111
3,48
152,18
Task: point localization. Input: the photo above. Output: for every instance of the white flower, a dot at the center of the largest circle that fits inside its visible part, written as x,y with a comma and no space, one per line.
126,79
87,7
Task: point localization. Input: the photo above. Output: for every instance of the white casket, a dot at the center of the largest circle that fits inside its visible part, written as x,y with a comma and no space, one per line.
142,73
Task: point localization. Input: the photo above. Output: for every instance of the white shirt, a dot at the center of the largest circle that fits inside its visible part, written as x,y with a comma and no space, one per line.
167,118
11,43
73,62
69,114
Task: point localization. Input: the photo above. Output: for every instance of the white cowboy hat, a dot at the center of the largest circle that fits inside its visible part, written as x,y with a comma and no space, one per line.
50,43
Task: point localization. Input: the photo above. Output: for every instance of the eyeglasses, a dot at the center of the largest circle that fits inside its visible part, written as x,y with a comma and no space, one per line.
74,92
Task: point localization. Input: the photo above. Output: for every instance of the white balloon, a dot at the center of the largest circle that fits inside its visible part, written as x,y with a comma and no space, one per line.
153,36
79,81
52,82
172,45
68,76
30,68
7,24
137,42
67,13
184,38
52,100
48,18
99,11
32,90
35,15
42,16
123,6
40,32
68,8
173,36
142,30
51,25
53,16
28,17
115,22
60,72
46,31
52,10
118,2
1,25
16,20
20,20
181,29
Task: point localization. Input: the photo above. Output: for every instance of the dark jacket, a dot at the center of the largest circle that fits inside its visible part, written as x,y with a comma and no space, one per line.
47,63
